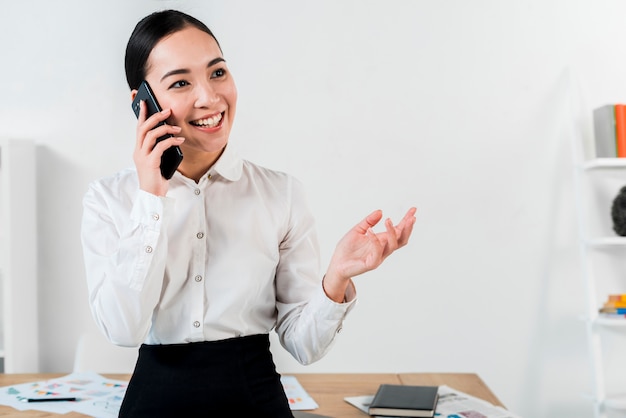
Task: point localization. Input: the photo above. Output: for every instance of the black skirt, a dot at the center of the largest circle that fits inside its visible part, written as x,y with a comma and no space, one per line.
234,377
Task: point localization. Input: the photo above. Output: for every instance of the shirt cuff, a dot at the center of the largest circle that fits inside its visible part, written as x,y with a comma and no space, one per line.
149,209
337,309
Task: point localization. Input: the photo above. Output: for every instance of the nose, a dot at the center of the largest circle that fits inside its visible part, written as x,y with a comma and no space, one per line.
206,96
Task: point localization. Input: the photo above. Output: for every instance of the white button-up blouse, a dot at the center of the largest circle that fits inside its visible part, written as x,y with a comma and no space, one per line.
235,254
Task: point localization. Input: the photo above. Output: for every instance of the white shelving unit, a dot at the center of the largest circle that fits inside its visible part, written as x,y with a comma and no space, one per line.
603,262
19,347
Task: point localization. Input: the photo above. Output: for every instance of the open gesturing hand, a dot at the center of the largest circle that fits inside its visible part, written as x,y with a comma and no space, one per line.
362,250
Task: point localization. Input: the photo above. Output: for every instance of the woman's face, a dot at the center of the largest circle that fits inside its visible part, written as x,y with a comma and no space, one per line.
188,74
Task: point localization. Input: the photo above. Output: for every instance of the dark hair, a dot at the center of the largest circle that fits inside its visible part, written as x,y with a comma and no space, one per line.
618,212
147,33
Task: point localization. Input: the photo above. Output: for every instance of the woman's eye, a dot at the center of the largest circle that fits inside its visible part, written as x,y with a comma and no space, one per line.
218,73
179,84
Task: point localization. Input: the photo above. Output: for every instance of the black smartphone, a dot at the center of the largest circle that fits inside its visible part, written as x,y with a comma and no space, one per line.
172,157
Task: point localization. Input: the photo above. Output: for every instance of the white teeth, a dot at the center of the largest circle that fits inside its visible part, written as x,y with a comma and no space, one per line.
208,122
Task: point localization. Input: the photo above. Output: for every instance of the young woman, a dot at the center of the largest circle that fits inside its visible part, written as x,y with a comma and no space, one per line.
198,269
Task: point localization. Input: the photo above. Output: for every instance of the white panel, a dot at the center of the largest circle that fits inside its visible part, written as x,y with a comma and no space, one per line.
19,255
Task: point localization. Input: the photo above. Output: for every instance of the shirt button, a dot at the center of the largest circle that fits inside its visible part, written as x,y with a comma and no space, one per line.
198,278
197,191
196,324
156,216
200,235
210,176
148,249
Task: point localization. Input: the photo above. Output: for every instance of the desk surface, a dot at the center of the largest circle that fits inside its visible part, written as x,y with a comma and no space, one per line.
328,390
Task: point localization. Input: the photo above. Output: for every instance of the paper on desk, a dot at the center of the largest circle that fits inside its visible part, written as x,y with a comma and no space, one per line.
452,403
101,397
298,398
92,391
105,397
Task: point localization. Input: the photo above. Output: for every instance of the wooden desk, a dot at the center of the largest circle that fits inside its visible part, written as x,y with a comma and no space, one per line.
328,390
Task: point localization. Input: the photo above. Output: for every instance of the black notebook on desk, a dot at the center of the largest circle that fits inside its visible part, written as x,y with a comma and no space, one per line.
405,401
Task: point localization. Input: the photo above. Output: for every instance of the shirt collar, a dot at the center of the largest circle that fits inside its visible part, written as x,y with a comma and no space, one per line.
229,165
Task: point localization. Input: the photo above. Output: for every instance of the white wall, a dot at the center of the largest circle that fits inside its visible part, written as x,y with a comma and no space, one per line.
460,108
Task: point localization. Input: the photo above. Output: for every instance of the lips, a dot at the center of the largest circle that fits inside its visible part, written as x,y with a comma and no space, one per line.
210,122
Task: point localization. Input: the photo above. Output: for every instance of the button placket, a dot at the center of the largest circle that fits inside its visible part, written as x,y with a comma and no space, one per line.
199,248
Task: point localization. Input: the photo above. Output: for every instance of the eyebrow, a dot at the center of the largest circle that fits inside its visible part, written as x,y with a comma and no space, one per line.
186,71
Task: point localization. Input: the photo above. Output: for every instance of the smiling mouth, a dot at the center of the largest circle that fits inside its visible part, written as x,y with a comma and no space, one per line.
211,122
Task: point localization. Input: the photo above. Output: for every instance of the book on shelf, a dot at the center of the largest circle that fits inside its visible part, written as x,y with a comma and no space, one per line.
620,130
609,127
404,401
614,306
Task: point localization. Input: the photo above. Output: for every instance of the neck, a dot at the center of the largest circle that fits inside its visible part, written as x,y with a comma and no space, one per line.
196,164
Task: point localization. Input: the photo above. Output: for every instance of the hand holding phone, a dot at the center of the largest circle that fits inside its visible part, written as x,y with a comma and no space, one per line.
172,157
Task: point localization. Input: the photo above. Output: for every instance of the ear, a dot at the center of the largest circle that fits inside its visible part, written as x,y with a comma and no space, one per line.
133,93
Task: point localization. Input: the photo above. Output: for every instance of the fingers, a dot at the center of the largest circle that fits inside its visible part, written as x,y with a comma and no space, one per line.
141,122
370,221
405,227
398,236
153,138
410,213
148,130
392,236
148,133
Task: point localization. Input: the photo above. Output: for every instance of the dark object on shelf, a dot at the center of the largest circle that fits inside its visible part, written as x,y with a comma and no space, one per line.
618,212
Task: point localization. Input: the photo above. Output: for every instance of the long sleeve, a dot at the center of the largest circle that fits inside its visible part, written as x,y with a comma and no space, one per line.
125,251
308,321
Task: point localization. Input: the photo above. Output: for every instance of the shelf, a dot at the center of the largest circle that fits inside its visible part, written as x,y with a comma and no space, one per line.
604,321
601,249
617,403
610,322
600,163
606,242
